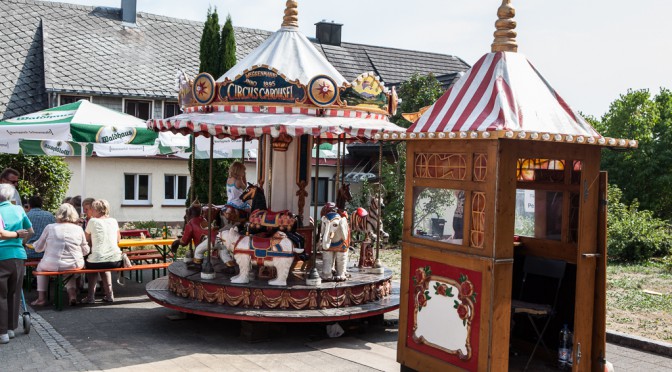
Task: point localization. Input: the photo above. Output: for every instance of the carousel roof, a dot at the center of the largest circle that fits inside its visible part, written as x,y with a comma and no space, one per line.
289,51
504,96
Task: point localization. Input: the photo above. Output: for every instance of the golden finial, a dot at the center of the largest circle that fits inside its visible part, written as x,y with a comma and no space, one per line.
291,18
505,36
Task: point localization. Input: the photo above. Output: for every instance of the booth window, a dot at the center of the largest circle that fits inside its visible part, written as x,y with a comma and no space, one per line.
322,191
438,214
64,100
170,109
139,109
137,189
175,189
539,214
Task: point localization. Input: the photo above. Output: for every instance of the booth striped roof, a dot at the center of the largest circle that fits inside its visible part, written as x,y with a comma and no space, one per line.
503,95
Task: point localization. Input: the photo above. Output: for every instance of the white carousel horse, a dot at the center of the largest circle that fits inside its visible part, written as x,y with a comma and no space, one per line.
335,241
277,251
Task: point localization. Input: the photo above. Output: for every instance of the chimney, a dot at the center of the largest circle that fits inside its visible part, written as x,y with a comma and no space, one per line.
128,14
328,32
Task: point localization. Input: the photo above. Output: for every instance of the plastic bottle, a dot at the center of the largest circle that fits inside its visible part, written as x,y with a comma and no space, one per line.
164,231
565,346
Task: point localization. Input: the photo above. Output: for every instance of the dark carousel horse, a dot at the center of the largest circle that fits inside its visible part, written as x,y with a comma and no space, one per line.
264,220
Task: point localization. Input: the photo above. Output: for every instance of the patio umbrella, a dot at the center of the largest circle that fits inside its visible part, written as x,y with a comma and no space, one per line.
75,128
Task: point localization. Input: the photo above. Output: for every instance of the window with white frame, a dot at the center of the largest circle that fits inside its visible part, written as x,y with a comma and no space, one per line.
175,189
137,189
170,109
65,99
139,109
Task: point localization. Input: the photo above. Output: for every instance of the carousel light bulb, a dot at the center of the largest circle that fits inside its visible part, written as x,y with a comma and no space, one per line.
463,134
386,136
534,135
473,134
612,141
569,138
422,135
395,136
442,135
431,135
452,135
580,139
591,140
632,143
508,134
545,136
522,134
402,135
376,136
412,135
621,142
601,141
486,134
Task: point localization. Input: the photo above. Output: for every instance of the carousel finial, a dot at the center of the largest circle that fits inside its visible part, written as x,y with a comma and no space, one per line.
291,18
505,36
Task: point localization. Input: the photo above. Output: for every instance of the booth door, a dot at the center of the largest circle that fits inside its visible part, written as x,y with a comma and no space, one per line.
589,314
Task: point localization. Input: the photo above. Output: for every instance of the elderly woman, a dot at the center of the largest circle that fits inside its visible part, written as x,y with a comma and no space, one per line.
103,235
64,245
15,226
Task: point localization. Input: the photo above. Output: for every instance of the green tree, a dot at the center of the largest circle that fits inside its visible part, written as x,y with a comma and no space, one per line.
227,47
415,93
218,55
47,176
209,52
645,173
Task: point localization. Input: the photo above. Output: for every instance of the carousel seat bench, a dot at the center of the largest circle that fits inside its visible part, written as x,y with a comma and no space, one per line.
61,275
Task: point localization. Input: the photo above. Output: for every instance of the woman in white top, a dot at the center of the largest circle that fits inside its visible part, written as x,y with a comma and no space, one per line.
102,232
64,246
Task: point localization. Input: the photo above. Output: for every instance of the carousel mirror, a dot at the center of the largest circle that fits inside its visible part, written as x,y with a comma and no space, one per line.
438,214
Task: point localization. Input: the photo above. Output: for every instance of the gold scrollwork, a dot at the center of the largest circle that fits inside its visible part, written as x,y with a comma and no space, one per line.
447,166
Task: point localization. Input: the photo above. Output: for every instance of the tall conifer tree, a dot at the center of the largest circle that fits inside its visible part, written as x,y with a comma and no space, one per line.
227,47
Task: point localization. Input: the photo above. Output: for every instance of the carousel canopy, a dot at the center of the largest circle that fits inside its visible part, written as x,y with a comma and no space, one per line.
504,96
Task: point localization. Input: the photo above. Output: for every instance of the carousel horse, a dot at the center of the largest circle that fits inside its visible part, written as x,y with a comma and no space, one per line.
196,232
263,219
372,220
276,251
335,243
343,196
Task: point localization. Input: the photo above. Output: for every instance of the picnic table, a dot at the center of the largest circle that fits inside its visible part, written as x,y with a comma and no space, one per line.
160,251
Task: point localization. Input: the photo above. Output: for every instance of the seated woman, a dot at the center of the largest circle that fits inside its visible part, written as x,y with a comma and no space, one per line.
102,232
64,246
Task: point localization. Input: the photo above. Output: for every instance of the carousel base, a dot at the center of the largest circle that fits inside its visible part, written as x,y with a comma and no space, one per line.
362,295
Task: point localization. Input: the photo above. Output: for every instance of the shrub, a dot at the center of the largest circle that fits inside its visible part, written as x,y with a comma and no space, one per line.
635,235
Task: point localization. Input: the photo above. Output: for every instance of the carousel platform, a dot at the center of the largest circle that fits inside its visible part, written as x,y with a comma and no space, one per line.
362,295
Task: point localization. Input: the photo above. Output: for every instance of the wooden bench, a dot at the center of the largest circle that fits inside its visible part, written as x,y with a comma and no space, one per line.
60,286
30,265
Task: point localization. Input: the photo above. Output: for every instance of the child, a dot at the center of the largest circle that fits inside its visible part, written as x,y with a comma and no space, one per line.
235,186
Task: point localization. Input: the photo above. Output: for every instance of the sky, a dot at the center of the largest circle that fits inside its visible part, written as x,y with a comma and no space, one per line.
590,51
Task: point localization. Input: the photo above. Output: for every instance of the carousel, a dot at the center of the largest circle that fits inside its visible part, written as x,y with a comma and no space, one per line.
266,259
504,241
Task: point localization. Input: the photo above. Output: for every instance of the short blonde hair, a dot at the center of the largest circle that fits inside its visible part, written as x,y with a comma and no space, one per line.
237,170
101,206
67,213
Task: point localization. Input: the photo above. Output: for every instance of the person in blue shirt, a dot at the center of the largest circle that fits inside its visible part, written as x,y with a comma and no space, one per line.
39,218
17,227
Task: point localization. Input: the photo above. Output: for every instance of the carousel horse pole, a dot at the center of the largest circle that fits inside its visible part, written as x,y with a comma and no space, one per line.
378,265
208,272
313,277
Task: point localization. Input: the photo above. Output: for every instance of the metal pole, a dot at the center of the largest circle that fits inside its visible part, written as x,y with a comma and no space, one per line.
270,174
378,264
193,155
208,272
314,276
242,154
83,166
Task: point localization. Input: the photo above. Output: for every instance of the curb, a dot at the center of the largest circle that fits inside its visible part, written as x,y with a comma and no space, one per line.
640,343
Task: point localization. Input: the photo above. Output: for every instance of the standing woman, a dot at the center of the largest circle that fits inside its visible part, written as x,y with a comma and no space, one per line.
15,229
102,232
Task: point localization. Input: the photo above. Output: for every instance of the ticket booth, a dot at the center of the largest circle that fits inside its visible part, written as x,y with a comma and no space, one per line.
514,172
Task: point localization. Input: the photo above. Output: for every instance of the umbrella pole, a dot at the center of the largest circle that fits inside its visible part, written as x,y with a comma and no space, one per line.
83,166
208,272
314,277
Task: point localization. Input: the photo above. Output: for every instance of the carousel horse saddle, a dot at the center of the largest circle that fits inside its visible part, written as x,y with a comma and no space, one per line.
268,218
265,247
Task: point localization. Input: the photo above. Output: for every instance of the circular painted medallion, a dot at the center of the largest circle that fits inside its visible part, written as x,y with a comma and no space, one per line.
322,90
204,88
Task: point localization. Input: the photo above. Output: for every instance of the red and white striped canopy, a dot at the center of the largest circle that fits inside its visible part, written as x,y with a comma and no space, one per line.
502,92
223,124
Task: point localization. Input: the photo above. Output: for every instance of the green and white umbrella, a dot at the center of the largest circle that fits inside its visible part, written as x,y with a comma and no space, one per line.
81,121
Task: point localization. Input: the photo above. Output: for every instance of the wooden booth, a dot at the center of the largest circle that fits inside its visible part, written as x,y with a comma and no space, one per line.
504,235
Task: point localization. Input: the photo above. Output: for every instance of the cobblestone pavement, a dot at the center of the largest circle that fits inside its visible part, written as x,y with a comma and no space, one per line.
135,334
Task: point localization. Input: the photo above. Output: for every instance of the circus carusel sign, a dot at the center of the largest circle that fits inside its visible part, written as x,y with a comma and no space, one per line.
262,85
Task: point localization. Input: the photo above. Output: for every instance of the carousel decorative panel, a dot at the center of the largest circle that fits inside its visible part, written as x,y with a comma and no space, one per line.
444,312
477,219
446,166
480,167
